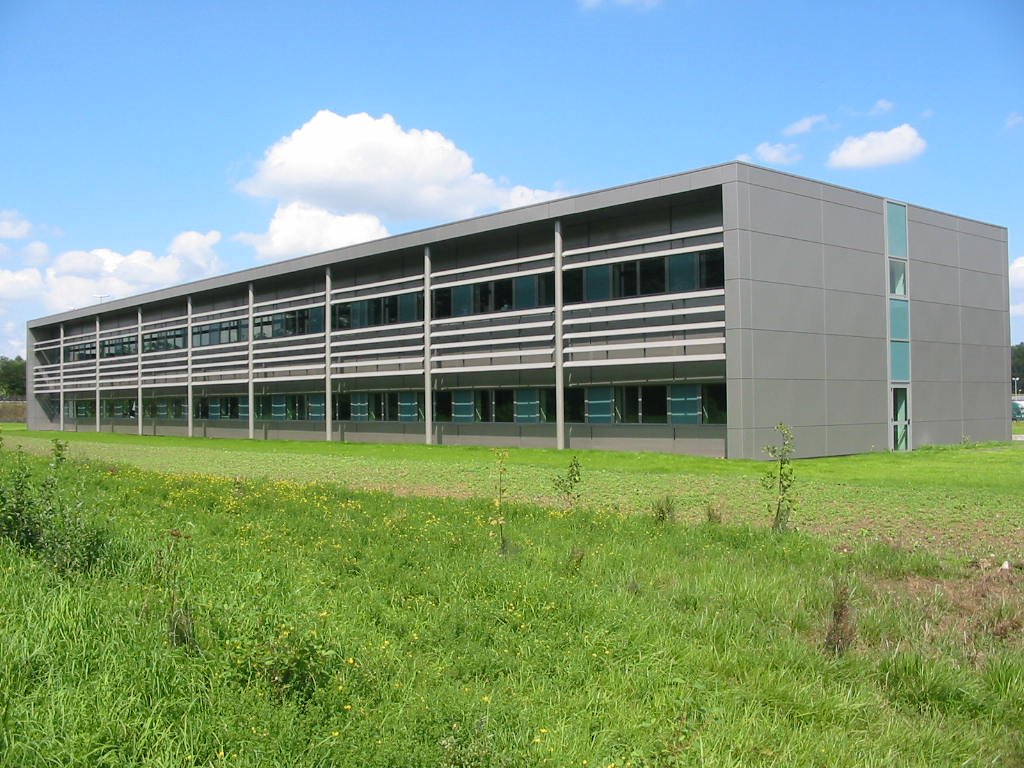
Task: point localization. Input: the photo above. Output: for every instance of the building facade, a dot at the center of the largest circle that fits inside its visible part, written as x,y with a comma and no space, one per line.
690,314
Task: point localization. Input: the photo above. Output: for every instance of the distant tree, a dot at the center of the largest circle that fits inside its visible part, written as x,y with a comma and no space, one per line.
1017,363
12,377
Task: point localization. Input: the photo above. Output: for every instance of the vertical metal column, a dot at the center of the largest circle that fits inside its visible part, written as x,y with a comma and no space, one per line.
559,369
188,358
96,362
138,380
428,385
251,389
328,396
61,376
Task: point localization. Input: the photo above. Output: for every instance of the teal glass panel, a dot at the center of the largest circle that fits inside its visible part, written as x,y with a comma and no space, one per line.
408,407
899,360
682,272
408,307
897,277
527,406
463,408
684,404
360,406
525,290
161,409
899,437
317,407
214,407
896,228
597,283
899,319
599,405
462,300
243,407
899,404
278,407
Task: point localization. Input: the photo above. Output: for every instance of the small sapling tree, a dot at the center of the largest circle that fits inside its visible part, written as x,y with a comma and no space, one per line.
778,480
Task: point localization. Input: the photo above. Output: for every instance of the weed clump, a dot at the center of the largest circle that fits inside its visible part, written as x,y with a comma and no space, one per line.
842,631
713,509
664,508
43,516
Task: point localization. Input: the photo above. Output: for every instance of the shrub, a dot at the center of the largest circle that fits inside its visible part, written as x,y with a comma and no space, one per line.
568,485
779,479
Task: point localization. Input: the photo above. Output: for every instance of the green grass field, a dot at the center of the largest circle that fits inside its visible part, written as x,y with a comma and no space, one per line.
171,602
962,500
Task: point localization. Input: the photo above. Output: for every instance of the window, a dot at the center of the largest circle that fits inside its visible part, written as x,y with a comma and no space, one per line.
224,332
597,283
162,341
627,405
897,277
681,272
896,229
77,352
442,406
899,360
504,405
341,406
653,405
296,322
119,347
899,319
900,419
713,404
575,405
525,292
600,408
684,404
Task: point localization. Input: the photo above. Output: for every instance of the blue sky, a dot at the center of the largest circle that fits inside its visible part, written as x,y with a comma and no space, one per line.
145,144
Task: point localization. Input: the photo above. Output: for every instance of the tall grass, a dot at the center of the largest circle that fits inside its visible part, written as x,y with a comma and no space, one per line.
332,627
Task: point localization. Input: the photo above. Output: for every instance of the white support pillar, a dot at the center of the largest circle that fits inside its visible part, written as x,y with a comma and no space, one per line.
61,375
188,358
96,362
559,361
428,385
138,372
251,388
328,395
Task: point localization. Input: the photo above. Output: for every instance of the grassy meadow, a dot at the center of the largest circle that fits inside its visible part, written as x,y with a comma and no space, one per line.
173,603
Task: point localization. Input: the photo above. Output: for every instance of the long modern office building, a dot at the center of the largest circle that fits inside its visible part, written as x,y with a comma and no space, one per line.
690,313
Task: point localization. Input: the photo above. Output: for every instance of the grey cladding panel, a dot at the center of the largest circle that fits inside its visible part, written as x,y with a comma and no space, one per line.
845,439
980,289
932,244
854,314
984,326
847,269
857,402
857,358
987,400
851,198
797,403
982,254
933,282
934,322
784,260
934,361
780,307
935,401
781,355
851,227
785,214
784,182
990,364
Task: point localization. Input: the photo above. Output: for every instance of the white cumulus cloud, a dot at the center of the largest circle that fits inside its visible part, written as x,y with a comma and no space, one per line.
778,154
81,278
36,253
803,125
898,145
1013,120
362,163
20,285
299,228
13,226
